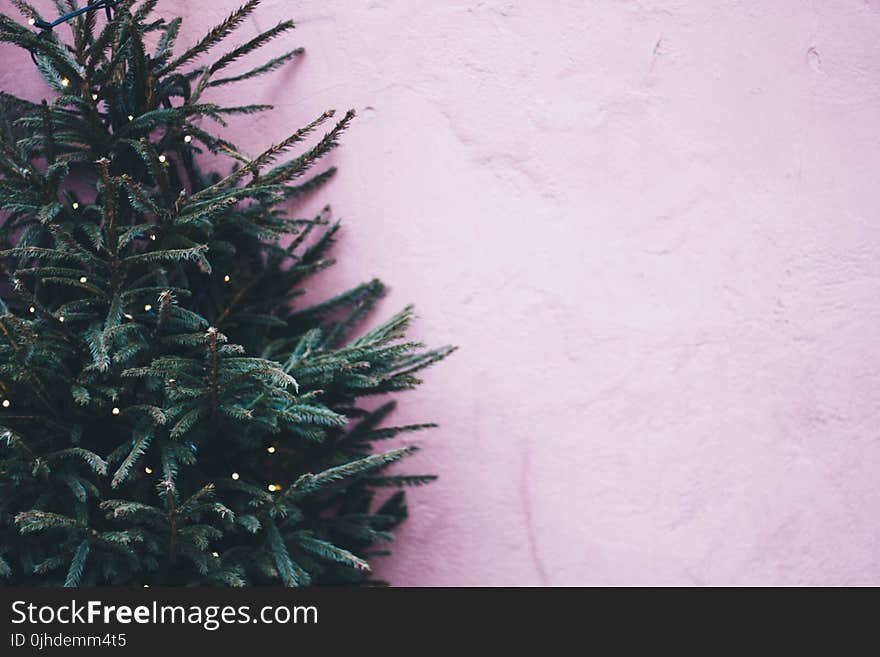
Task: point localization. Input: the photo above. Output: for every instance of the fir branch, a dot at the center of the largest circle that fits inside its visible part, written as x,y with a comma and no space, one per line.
239,52
139,446
213,37
264,158
311,482
77,565
95,462
272,65
37,521
331,552
289,571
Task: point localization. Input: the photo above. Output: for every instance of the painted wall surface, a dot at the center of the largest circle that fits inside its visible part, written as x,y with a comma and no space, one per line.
652,228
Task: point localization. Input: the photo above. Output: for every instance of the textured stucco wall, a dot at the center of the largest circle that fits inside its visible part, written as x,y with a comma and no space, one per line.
651,226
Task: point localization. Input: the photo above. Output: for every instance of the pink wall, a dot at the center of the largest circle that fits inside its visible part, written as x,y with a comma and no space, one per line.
649,226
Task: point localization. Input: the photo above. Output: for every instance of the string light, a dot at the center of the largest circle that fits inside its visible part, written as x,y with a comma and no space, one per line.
61,319
116,410
226,278
187,138
274,487
162,159
107,5
130,117
146,586
271,449
83,279
235,476
147,307
32,309
65,82
153,236
75,205
6,403
94,96
216,555
148,470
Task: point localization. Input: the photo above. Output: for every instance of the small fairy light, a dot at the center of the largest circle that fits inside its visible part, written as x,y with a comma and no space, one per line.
271,449
162,159
6,403
147,307
274,487
94,96
227,278
146,586
130,117
83,279
216,555
148,470
153,236
32,21
235,476
65,82
32,310
75,205
61,319
187,138
116,410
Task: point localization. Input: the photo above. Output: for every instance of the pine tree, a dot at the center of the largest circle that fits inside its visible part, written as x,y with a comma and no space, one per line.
170,415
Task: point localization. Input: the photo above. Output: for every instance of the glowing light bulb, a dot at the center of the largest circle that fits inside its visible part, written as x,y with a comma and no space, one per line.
187,138
146,586
94,96
226,278
148,307
235,476
273,488
116,410
32,21
6,403
75,205
153,237
61,319
83,279
148,470
271,449
65,82
162,159
216,555
130,117
32,309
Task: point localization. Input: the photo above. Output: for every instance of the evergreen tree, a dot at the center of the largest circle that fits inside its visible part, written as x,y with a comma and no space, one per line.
169,414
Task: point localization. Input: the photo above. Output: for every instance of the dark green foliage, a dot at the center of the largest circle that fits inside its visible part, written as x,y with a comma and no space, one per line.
170,416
